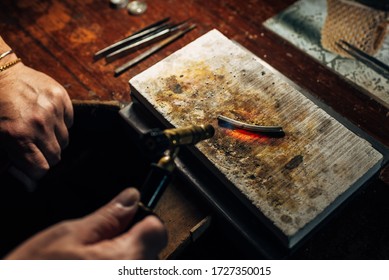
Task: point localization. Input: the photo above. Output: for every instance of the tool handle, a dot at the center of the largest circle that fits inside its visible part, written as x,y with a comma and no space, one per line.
142,213
154,186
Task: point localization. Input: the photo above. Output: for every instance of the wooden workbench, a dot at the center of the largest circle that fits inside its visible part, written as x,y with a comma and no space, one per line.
60,38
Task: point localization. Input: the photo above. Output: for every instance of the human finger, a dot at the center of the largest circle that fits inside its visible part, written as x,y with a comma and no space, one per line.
30,160
64,120
146,238
62,134
58,117
111,219
68,113
48,144
61,102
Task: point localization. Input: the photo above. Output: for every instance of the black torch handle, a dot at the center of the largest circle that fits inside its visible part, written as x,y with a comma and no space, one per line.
154,186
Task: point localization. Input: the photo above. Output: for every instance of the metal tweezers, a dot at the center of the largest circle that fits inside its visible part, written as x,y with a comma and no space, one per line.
152,50
161,31
146,40
147,31
377,65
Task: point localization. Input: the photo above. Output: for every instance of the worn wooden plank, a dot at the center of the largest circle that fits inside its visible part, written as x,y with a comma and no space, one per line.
295,180
180,215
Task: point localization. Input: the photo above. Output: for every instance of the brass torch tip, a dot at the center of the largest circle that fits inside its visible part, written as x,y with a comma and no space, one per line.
189,135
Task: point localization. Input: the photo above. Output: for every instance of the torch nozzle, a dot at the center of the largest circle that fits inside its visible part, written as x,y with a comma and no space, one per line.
158,141
189,135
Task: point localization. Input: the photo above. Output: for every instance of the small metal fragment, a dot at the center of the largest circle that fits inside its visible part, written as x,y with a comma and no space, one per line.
118,4
137,7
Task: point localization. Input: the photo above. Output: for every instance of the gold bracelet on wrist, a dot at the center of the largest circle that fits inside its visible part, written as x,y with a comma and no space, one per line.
9,64
4,54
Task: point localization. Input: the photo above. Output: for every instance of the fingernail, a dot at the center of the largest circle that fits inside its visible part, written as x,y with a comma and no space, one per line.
128,197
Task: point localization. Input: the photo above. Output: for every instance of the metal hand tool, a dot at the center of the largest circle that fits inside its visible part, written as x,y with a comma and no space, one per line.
377,65
166,144
152,50
144,41
148,30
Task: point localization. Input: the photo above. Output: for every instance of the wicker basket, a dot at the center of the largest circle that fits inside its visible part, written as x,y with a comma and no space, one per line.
359,25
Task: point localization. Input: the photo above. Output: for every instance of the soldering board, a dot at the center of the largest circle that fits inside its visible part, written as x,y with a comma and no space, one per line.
291,183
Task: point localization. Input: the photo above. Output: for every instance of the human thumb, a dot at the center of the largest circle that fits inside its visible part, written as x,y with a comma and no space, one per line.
111,219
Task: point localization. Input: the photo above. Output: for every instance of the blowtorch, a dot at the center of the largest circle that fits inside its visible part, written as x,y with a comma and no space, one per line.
165,144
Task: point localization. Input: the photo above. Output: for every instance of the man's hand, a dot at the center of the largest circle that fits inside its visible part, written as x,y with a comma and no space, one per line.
99,235
35,114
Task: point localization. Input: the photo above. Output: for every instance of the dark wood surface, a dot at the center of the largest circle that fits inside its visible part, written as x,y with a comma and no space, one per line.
60,38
